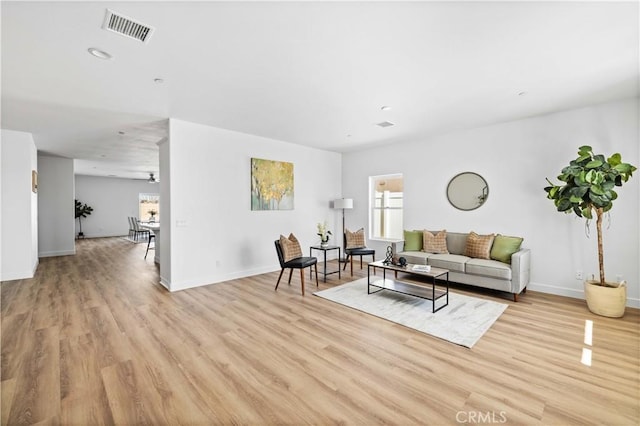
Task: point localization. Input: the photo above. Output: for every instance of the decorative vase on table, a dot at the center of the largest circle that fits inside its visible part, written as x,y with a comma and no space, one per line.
323,233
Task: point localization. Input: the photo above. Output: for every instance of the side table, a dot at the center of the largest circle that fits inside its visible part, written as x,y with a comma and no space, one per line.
325,250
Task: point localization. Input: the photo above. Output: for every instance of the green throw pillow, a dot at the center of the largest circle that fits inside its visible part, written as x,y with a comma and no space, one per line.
504,247
412,240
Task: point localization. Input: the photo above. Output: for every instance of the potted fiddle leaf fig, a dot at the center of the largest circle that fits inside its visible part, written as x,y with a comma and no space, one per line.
587,189
82,210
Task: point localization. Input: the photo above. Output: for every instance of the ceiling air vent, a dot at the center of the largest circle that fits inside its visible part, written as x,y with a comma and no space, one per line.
126,26
385,124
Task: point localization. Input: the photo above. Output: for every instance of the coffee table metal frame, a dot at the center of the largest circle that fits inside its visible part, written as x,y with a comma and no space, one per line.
412,288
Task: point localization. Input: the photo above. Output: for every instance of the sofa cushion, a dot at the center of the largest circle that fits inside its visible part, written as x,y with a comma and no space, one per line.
415,257
355,239
479,246
290,247
435,243
412,240
452,262
488,268
456,242
504,247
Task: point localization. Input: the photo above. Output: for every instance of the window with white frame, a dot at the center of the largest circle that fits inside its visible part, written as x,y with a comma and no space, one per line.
148,207
386,201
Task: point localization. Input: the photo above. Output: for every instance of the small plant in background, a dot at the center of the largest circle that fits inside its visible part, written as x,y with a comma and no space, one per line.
153,214
82,210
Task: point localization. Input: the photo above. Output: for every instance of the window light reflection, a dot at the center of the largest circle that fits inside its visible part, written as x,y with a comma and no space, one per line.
588,340
586,357
588,332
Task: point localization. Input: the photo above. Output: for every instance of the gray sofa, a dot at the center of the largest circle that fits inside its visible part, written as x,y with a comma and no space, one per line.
512,278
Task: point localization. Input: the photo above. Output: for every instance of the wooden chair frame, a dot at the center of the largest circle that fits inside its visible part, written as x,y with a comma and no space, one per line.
299,263
350,253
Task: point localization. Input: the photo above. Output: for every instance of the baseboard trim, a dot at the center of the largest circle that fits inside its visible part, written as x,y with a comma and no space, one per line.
57,253
15,275
217,279
572,292
184,285
166,284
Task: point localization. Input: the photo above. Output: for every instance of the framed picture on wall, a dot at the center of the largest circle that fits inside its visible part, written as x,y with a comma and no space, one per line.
34,181
271,185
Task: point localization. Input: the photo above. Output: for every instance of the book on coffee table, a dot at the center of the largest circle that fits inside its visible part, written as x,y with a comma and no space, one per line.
421,268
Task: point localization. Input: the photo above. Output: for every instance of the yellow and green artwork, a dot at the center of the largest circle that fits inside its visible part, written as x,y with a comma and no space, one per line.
271,185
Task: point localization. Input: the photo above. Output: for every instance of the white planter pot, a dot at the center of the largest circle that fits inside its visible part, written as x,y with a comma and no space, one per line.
604,300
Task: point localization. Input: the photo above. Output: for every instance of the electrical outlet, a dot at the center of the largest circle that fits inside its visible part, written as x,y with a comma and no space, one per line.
618,278
578,275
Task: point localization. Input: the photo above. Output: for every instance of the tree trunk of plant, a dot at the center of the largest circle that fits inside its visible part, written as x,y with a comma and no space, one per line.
599,214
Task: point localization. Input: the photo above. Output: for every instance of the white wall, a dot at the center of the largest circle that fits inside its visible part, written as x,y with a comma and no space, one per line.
165,207
1,208
113,200
19,206
214,234
55,206
515,158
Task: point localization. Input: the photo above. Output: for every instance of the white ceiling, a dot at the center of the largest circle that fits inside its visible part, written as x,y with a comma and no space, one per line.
310,73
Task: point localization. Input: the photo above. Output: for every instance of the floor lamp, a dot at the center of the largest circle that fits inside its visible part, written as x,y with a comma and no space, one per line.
343,203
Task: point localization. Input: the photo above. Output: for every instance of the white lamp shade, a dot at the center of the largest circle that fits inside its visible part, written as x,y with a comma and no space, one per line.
343,203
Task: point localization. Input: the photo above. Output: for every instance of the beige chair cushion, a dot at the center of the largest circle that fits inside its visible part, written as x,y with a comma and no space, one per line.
355,239
435,243
479,246
290,247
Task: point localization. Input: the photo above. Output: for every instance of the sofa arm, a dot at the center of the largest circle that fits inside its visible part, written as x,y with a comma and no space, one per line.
520,270
397,246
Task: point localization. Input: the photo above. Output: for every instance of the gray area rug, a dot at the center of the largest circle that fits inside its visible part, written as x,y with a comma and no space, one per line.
463,321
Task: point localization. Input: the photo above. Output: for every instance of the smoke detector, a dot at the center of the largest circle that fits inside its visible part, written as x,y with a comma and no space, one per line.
385,124
125,26
99,53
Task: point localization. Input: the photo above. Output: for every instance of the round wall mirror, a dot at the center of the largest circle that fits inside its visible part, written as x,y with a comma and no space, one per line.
467,191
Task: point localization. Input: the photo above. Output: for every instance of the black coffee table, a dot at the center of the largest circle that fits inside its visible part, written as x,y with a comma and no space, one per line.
425,290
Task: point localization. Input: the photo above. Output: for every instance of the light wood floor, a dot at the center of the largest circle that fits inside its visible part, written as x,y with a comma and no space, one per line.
93,339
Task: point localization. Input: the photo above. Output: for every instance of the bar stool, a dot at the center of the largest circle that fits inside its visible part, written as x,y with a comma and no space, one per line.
139,230
152,236
132,229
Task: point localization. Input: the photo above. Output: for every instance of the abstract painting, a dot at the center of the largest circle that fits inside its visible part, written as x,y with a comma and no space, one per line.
271,185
